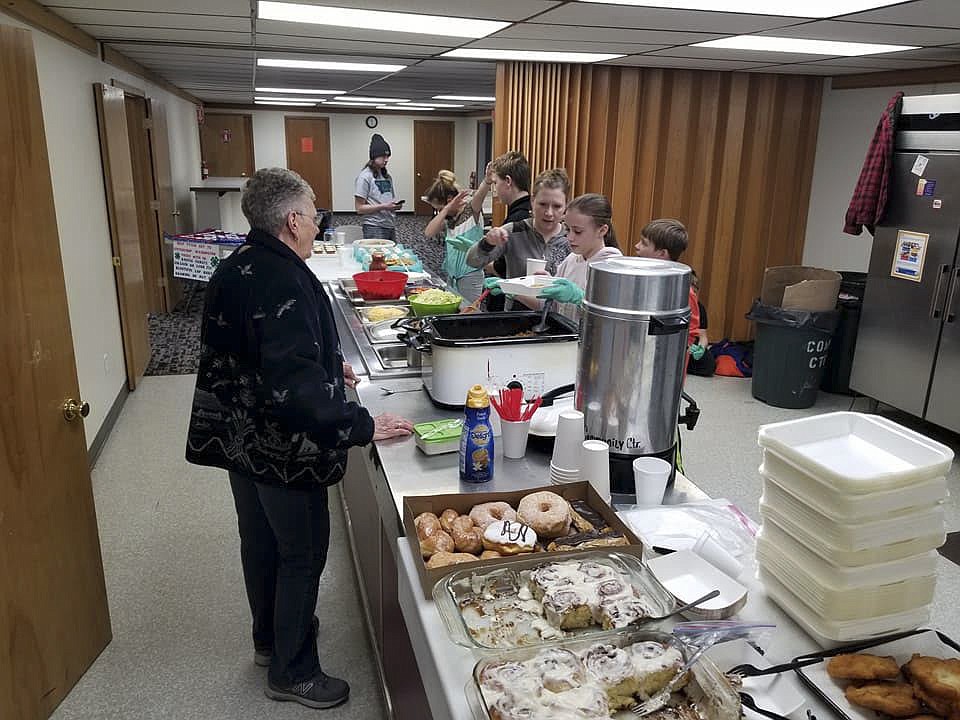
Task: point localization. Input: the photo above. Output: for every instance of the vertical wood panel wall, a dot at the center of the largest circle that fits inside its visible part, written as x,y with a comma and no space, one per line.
729,154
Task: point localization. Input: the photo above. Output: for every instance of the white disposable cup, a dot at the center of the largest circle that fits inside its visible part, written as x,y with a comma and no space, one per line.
715,554
534,265
568,446
513,437
340,237
650,477
345,255
596,467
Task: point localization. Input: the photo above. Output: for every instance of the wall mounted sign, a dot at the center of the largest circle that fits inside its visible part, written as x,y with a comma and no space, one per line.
226,135
306,144
909,254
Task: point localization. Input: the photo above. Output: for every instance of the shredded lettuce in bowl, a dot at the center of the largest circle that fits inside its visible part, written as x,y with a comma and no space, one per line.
436,297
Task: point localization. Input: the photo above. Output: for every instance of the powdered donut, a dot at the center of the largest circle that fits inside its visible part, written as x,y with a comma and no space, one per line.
486,513
545,512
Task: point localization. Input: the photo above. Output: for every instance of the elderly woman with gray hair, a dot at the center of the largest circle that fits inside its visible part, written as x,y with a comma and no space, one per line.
270,407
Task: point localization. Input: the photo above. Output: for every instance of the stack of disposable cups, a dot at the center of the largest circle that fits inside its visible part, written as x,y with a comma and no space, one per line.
567,448
852,517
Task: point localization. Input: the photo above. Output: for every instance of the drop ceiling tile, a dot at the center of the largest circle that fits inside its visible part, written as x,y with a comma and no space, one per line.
368,49
660,61
187,51
566,33
870,33
497,43
233,8
807,69
83,16
485,10
750,56
932,13
380,59
114,32
872,62
946,55
621,16
370,35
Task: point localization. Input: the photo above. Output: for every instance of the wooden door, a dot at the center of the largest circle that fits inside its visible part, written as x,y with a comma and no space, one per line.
226,144
142,165
54,619
124,229
308,153
433,152
167,212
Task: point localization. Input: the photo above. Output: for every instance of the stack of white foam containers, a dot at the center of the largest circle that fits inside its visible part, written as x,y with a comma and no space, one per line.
852,516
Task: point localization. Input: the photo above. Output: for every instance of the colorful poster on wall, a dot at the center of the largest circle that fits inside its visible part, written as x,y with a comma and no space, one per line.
306,144
909,254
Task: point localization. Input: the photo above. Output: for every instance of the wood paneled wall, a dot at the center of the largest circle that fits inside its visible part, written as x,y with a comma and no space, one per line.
729,154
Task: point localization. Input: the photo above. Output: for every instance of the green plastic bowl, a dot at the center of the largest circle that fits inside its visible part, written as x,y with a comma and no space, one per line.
424,309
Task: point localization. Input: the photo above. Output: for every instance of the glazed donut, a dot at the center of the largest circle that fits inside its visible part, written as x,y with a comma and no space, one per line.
545,512
442,559
447,517
489,555
462,522
486,513
509,538
469,540
438,542
427,524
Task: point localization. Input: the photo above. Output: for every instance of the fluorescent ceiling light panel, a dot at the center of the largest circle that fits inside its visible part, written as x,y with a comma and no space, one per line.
279,102
298,100
788,8
408,108
358,98
466,98
378,20
328,65
299,91
530,55
438,105
766,43
349,104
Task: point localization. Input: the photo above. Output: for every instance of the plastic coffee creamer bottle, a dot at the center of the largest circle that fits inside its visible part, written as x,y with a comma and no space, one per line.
476,438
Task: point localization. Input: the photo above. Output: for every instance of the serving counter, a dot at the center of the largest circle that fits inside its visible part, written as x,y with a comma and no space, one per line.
424,674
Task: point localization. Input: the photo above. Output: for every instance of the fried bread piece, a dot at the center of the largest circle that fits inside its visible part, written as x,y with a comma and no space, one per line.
895,699
862,666
940,706
938,677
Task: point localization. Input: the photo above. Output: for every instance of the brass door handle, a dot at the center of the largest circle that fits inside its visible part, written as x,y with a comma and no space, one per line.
73,409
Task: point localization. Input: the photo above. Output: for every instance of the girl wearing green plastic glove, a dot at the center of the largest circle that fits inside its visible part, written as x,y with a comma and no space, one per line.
591,236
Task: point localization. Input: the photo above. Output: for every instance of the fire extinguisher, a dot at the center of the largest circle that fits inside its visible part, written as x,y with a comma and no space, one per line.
204,170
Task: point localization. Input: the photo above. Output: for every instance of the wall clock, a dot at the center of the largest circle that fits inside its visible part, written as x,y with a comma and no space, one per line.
371,122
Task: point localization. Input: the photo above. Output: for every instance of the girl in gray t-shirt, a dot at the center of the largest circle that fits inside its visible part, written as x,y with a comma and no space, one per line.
375,194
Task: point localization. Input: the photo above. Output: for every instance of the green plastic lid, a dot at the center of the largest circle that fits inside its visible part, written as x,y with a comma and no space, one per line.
438,430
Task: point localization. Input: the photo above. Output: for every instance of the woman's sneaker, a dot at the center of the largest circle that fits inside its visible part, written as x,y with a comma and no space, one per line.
320,691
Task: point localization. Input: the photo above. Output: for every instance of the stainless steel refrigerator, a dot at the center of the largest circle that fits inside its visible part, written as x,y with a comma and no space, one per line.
908,345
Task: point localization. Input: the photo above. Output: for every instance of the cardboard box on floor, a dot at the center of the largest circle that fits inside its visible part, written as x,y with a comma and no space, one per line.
413,505
797,287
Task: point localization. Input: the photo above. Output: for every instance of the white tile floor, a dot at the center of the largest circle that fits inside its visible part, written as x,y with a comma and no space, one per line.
181,645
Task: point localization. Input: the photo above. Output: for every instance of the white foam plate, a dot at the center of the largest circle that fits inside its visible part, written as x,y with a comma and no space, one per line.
526,286
688,576
544,420
780,693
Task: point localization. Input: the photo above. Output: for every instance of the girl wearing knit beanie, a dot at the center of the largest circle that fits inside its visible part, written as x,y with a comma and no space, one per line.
375,195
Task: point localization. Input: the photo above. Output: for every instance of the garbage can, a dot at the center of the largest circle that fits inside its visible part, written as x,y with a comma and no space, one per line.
836,374
789,354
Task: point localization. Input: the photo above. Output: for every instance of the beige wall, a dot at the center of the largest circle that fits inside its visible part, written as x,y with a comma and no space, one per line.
66,78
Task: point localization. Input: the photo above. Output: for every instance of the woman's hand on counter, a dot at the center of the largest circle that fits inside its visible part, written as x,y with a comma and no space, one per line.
350,378
388,425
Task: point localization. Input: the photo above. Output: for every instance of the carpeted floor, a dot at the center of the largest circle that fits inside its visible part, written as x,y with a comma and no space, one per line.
175,336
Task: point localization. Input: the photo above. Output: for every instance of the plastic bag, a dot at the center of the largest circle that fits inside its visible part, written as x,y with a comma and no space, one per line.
677,527
712,632
773,315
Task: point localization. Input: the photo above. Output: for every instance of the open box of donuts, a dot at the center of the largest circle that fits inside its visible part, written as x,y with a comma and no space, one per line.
466,531
600,677
546,599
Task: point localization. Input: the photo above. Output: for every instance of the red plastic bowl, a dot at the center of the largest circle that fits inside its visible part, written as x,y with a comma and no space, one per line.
380,284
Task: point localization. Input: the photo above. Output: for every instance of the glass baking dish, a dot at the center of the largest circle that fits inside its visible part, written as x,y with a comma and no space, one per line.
708,691
488,608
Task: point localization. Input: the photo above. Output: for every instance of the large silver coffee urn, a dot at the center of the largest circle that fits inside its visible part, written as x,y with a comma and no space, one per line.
633,347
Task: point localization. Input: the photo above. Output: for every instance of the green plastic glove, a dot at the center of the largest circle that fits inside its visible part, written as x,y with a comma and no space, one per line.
697,351
460,242
493,285
562,290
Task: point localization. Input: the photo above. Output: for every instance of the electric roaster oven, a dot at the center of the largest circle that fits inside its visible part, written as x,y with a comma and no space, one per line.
493,349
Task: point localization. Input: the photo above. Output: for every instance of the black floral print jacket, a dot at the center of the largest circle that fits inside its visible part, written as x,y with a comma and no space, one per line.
269,401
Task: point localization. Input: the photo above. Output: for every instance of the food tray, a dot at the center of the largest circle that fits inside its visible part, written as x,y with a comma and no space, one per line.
853,536
910,583
829,634
901,647
850,558
709,690
857,453
364,312
687,576
497,594
842,506
526,286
